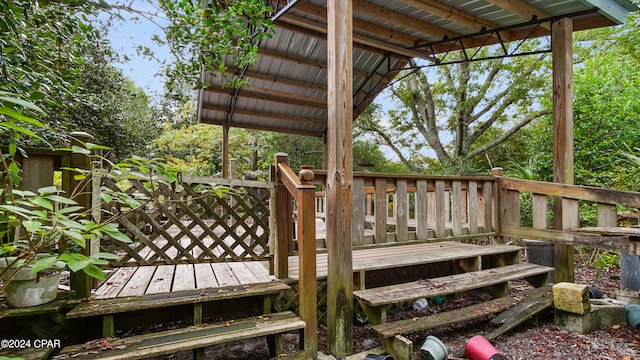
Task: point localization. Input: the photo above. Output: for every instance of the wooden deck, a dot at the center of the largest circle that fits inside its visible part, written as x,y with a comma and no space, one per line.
389,257
148,280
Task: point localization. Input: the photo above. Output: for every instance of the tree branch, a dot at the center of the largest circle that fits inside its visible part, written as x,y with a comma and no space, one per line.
505,136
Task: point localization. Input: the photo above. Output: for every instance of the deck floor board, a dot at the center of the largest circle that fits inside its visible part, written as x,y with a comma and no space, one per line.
205,278
181,277
406,255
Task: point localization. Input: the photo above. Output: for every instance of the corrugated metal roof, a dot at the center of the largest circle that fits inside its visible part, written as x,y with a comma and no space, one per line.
287,89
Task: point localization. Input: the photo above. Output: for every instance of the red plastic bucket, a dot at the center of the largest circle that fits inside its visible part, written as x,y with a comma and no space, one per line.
479,348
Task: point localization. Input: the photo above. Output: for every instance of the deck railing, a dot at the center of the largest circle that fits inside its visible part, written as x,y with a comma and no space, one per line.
397,208
555,217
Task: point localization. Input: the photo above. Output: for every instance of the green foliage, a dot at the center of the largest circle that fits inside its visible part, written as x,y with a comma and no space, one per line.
52,55
197,150
201,38
606,112
368,157
599,259
49,228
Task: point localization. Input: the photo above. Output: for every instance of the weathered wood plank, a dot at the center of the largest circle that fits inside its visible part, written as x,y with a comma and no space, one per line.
30,353
224,275
171,341
137,284
539,211
242,273
438,320
448,284
456,207
259,270
488,201
608,242
162,280
440,212
184,278
599,195
421,210
151,301
400,210
632,232
357,224
473,206
390,257
381,210
205,278
115,283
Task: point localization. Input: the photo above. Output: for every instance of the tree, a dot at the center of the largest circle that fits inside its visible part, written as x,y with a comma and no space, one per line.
114,111
460,111
197,150
52,55
606,111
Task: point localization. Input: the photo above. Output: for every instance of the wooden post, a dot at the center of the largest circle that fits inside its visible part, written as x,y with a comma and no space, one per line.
561,48
283,214
339,176
225,151
232,202
37,172
307,260
80,191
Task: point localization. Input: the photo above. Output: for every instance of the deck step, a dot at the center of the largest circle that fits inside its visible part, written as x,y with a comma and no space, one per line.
374,301
466,313
120,305
194,337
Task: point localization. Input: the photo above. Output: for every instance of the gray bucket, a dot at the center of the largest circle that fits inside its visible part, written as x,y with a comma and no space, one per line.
539,252
629,271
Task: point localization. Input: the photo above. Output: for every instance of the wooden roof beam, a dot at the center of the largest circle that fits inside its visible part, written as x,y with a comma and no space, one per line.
364,7
263,127
359,25
266,115
278,79
275,96
382,47
457,16
522,9
303,61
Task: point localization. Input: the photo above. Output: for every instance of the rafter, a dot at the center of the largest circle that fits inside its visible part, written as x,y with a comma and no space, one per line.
359,25
266,115
303,61
457,16
522,9
276,96
278,79
281,129
382,47
364,7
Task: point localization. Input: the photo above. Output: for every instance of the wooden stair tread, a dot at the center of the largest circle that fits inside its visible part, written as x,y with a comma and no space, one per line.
472,312
30,353
172,341
119,305
447,284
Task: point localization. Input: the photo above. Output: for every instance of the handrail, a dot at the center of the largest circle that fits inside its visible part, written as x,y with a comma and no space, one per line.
577,192
300,187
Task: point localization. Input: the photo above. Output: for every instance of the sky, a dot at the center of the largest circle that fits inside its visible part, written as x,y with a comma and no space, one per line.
126,36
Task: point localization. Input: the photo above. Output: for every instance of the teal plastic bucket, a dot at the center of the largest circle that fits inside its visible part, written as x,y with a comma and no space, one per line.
633,315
